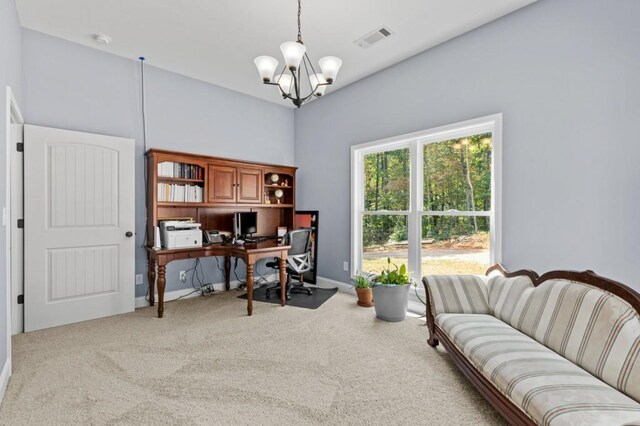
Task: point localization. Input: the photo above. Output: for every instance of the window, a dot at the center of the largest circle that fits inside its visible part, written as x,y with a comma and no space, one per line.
429,200
386,207
457,205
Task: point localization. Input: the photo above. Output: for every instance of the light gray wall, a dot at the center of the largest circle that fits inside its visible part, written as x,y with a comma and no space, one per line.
566,76
70,86
10,75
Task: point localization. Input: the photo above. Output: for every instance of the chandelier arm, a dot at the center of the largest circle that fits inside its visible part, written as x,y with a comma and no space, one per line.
306,98
297,100
305,59
284,68
310,63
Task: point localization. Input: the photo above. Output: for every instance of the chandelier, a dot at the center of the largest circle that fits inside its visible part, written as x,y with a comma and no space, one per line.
290,80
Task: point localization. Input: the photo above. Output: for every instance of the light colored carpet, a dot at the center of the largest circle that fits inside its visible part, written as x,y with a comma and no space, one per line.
206,362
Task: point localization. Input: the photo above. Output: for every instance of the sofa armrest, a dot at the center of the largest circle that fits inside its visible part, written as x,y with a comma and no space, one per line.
457,294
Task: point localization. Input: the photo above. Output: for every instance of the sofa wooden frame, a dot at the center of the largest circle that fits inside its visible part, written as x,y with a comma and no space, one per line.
510,411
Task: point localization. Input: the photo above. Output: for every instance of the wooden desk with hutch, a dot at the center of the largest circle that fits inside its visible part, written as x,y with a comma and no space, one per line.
216,188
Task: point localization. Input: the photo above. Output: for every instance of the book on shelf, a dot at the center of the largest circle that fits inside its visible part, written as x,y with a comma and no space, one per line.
180,170
176,193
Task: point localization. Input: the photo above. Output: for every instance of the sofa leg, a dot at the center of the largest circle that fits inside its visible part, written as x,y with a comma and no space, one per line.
433,341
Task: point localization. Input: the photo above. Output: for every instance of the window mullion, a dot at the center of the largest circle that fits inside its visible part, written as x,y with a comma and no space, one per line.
414,227
456,213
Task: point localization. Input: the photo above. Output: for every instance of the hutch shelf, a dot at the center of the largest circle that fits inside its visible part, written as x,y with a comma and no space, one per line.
210,189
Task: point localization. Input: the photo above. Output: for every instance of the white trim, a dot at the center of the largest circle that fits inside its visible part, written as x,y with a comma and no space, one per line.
13,115
187,293
414,307
141,301
329,283
4,378
449,131
414,225
386,212
496,193
356,206
453,213
415,142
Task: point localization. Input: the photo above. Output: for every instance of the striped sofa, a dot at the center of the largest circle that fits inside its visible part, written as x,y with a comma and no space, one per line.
560,349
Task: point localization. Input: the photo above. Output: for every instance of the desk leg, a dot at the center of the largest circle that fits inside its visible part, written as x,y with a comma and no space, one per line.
152,281
249,288
161,282
283,282
227,272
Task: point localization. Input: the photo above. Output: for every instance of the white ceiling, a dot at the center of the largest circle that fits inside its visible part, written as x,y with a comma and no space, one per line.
217,40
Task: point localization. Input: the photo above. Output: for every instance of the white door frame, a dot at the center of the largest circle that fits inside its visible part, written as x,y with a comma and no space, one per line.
13,116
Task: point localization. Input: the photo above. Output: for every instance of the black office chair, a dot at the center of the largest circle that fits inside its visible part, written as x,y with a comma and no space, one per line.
298,261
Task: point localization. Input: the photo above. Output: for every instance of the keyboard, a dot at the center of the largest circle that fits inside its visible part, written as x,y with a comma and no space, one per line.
256,239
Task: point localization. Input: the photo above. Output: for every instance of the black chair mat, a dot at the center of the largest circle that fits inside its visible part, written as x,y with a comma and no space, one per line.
299,300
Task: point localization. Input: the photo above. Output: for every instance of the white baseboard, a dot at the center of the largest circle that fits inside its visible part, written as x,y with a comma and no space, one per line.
4,378
141,302
414,307
187,293
329,283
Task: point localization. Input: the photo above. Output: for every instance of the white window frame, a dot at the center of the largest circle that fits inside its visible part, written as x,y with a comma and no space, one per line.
416,142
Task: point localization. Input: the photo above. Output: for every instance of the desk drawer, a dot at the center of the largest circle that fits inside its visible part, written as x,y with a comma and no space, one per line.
186,255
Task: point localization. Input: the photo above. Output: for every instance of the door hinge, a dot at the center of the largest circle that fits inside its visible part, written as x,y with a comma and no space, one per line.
20,147
20,223
21,299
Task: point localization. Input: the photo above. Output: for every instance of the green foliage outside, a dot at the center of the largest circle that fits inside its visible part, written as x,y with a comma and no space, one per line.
457,176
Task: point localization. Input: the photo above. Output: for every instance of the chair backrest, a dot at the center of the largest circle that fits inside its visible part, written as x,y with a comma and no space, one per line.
299,255
299,240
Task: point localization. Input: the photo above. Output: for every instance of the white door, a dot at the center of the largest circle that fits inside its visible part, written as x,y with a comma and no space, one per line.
17,236
79,224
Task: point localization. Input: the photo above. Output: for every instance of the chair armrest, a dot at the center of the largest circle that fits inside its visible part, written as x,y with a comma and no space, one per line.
457,294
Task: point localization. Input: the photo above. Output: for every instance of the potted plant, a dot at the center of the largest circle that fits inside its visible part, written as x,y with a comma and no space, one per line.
363,289
391,292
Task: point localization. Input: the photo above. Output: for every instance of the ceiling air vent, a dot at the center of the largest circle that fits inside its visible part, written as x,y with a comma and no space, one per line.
373,37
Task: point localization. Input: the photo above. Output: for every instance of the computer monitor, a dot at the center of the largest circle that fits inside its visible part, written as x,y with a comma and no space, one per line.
245,223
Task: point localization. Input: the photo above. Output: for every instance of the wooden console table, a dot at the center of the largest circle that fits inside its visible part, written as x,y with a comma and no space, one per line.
249,253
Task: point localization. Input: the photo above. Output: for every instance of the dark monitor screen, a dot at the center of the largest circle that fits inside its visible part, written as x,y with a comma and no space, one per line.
246,223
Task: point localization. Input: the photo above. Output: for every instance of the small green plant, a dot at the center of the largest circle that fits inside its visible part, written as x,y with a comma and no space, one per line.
392,275
362,281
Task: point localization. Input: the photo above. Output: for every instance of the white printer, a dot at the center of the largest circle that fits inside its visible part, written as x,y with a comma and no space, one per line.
180,234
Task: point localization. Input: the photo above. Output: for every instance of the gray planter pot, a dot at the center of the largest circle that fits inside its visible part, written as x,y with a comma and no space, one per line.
391,301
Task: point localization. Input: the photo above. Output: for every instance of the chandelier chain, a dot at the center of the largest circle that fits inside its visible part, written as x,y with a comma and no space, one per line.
299,28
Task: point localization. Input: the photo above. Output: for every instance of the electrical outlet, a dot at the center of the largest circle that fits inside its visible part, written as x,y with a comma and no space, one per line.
139,279
183,276
345,266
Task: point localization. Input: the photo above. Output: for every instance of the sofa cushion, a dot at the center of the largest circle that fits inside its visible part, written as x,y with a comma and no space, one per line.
460,294
593,328
548,387
505,293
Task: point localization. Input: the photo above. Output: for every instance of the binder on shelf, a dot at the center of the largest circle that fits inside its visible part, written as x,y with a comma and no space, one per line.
180,170
177,193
